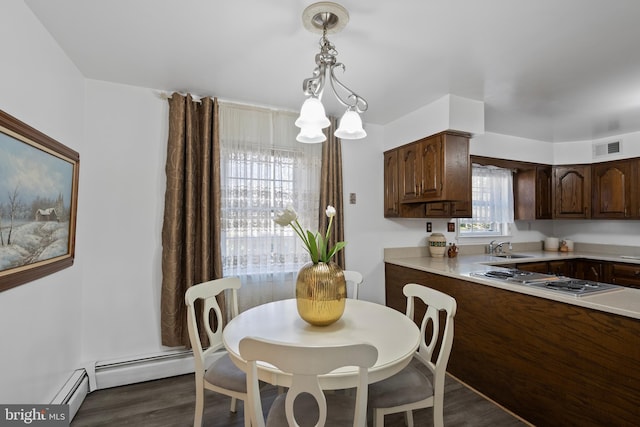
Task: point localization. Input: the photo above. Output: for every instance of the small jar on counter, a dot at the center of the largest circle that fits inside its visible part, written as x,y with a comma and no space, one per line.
437,245
452,252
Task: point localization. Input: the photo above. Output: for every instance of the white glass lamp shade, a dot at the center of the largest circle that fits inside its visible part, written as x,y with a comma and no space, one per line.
309,135
350,126
312,115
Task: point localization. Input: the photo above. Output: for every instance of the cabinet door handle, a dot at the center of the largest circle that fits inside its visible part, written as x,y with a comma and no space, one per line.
595,272
636,273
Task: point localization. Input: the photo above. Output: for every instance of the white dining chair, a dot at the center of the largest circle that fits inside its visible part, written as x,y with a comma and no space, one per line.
353,279
305,403
410,388
222,375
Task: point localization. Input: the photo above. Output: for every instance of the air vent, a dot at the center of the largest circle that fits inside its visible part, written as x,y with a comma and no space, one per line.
603,149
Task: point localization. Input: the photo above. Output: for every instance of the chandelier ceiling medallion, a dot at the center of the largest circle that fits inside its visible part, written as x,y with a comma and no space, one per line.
328,18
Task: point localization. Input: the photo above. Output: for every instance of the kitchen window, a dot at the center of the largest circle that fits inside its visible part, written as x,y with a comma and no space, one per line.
492,203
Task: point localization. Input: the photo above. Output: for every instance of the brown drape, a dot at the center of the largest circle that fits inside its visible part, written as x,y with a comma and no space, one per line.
191,227
331,189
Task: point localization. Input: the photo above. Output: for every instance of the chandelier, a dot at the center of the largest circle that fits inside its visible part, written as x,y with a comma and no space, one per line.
325,18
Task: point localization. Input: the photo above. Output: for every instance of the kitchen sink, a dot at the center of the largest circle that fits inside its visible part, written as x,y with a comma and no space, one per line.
511,256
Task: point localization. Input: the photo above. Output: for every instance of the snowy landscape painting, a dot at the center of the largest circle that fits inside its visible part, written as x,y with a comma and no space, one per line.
38,192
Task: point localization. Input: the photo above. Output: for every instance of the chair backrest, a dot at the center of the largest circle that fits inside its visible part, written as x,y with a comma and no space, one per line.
207,292
305,364
355,278
436,301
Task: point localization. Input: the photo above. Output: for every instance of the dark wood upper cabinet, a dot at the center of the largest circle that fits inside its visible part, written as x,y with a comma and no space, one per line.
430,177
435,169
615,187
410,167
532,193
449,209
572,191
391,204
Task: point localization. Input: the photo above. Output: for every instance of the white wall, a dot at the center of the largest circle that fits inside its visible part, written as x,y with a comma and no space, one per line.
126,130
40,321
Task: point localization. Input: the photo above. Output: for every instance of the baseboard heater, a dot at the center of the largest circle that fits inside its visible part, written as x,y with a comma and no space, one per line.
146,368
73,391
122,372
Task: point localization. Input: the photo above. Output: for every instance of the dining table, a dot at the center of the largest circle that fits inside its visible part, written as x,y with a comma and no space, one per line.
394,335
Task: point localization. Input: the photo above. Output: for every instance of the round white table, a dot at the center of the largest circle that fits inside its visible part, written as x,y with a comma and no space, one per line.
394,335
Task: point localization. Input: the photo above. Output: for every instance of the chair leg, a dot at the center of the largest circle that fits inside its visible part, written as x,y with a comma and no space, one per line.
378,418
233,405
408,418
197,417
438,413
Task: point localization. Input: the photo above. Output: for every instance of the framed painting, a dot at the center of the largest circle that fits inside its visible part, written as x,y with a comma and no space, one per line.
38,203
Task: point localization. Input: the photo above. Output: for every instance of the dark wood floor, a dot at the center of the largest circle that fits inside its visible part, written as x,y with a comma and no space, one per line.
170,402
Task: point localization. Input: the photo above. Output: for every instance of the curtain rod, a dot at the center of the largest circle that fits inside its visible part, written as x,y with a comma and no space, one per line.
164,95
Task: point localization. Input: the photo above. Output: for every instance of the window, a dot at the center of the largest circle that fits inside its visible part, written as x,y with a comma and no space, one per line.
263,169
492,202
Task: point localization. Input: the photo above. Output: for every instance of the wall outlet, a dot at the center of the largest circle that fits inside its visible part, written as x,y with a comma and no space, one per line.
428,227
352,198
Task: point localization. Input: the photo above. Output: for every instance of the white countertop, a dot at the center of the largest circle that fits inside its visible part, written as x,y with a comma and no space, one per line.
623,301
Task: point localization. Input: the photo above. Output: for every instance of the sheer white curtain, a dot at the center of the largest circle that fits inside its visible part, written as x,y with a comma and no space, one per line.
492,194
263,169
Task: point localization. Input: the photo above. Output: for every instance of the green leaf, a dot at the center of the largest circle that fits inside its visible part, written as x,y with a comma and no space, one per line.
312,246
322,248
335,249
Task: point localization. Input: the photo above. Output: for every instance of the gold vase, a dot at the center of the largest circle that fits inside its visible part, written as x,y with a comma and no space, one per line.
321,293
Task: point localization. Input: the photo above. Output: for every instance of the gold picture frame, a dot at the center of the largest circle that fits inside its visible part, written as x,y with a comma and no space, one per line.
38,203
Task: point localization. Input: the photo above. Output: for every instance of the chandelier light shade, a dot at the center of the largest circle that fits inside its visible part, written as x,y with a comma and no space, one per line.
312,115
350,126
325,18
311,135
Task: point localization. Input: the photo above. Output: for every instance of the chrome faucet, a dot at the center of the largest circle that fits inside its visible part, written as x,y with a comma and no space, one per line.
497,247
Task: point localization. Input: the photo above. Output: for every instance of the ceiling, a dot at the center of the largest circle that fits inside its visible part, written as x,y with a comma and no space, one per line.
546,69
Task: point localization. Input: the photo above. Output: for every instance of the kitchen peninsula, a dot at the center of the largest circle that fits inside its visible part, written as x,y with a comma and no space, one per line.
552,359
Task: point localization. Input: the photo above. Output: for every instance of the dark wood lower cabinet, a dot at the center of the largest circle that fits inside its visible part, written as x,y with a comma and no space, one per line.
553,364
625,275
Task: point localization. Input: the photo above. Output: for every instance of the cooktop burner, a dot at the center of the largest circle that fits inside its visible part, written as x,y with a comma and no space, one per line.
575,287
561,284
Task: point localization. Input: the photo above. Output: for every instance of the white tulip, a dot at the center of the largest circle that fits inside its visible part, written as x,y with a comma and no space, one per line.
286,217
331,211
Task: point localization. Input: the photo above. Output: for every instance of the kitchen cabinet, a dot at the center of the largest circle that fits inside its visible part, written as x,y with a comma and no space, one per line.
625,274
531,354
391,203
435,169
429,178
572,191
449,210
532,193
615,188
589,270
392,206
534,267
410,172
559,267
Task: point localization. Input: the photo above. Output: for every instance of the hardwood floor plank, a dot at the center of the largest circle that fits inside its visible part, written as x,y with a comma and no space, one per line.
170,403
